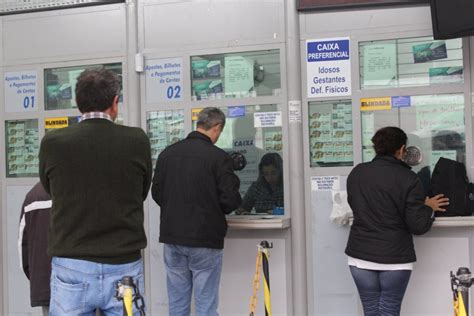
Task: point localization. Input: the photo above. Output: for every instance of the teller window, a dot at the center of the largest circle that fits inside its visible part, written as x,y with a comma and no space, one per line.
434,125
408,62
236,75
254,133
60,85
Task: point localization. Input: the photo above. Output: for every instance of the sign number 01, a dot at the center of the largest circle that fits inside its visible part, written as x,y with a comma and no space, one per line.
29,101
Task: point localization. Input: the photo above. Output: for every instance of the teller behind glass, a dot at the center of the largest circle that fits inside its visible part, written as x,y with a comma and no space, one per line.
265,194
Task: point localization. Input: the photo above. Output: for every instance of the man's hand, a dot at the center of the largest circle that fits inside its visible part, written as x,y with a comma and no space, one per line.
241,211
437,202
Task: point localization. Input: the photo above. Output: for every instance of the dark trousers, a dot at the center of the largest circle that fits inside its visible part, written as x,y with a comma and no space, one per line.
381,292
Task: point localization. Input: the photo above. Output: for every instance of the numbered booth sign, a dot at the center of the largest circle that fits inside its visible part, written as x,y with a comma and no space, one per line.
164,79
20,91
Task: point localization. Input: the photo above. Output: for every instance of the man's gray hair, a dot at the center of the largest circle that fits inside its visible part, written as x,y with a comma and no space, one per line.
210,117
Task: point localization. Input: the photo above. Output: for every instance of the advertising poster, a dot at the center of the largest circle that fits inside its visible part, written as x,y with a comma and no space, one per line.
328,67
423,53
446,75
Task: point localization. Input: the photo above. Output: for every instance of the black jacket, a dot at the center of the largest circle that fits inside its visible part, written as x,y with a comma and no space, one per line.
195,186
388,203
33,238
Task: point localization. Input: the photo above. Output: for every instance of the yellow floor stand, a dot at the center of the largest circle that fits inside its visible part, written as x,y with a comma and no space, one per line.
262,262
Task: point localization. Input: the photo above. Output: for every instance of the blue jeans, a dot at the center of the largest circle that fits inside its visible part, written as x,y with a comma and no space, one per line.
79,287
188,267
381,292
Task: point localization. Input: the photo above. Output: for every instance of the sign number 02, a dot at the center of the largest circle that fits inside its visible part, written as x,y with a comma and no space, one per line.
173,92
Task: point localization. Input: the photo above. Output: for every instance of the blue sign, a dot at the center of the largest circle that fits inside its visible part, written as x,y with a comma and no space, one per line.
236,111
328,50
401,102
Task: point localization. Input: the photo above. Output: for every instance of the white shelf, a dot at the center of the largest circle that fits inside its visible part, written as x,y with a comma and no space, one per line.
455,221
258,222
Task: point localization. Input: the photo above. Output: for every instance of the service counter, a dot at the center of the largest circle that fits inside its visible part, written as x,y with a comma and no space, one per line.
456,221
258,222
244,235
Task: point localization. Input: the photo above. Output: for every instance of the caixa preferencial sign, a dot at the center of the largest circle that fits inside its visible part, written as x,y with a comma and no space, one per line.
328,67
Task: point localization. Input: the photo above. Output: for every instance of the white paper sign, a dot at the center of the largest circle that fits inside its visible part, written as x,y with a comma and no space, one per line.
238,76
325,183
21,91
328,67
267,119
164,80
380,64
294,111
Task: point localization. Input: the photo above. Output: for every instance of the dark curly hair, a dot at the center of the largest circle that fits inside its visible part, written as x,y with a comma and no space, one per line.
388,140
96,89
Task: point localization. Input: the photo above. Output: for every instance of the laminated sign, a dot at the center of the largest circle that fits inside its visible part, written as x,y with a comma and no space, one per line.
328,67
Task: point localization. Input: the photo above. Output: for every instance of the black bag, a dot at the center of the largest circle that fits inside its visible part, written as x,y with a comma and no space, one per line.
450,178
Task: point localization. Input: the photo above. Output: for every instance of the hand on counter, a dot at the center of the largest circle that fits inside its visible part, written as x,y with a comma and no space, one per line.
241,211
437,202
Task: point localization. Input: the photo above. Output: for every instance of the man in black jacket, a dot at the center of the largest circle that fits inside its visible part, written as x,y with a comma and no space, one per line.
33,243
195,186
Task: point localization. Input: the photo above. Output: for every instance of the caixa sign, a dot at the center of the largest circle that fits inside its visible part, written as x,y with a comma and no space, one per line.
328,50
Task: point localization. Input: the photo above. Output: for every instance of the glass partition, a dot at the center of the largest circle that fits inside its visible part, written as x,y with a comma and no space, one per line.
255,131
434,125
164,128
236,75
330,133
22,148
60,84
408,62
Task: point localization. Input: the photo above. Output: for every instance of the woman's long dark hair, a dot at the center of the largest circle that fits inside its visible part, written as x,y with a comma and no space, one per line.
271,159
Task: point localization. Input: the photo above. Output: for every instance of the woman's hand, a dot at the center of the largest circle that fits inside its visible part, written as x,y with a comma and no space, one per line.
437,202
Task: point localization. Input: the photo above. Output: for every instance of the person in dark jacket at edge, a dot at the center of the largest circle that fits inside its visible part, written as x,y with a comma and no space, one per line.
195,186
33,243
33,246
389,206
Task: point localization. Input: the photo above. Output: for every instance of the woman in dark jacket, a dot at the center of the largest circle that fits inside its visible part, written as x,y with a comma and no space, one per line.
389,206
